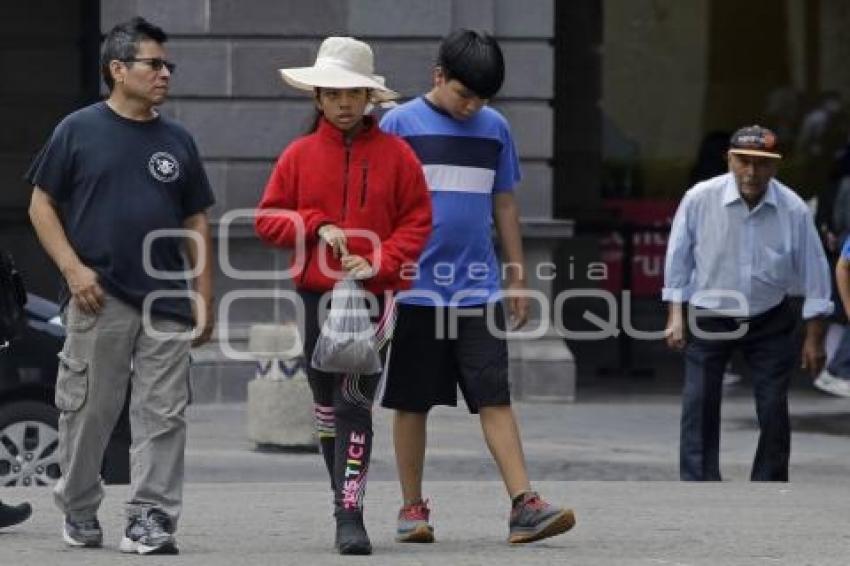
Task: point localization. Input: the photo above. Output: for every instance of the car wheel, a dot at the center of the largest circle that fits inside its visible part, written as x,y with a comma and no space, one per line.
29,444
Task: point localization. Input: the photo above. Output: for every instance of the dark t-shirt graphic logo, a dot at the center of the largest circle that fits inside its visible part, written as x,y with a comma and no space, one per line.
164,167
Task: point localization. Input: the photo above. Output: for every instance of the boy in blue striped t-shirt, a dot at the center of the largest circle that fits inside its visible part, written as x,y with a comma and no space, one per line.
471,166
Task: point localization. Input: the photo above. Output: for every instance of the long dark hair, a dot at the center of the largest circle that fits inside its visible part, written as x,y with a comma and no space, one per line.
313,122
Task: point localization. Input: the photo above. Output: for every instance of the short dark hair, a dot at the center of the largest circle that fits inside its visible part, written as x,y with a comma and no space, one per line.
122,42
473,59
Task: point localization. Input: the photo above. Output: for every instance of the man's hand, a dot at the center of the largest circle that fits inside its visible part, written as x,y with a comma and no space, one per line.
86,292
203,311
814,354
333,236
675,329
357,266
517,305
199,250
832,241
814,357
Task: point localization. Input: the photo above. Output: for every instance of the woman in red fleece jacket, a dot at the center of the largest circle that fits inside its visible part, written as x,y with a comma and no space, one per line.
329,191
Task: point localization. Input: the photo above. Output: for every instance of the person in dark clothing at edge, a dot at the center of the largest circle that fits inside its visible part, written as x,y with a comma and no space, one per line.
14,514
833,220
12,320
112,176
346,175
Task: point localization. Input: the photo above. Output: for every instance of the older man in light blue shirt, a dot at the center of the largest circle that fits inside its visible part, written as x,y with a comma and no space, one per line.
740,244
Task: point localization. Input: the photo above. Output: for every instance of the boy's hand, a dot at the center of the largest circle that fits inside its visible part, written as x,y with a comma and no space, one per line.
517,306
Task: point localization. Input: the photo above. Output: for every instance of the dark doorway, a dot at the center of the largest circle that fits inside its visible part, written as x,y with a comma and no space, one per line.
49,64
578,115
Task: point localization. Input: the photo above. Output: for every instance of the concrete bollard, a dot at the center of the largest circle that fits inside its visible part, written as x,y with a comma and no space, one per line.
542,369
280,404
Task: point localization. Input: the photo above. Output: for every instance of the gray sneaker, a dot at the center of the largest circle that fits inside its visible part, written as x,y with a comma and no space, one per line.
150,531
85,533
533,519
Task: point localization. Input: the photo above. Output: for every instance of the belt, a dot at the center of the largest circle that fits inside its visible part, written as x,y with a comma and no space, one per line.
752,318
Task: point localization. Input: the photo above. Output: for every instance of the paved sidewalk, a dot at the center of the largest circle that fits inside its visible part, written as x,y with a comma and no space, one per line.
601,437
245,507
619,523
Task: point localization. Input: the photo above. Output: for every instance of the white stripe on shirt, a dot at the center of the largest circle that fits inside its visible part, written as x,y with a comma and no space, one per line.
459,179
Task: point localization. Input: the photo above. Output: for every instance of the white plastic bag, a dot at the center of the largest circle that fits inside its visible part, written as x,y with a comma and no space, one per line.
347,342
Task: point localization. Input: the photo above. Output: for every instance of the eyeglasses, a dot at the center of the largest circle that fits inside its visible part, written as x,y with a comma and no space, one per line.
156,63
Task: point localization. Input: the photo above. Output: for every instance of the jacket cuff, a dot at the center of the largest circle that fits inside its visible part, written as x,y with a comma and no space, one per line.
312,225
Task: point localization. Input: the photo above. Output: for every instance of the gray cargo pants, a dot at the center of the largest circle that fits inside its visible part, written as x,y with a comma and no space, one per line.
94,372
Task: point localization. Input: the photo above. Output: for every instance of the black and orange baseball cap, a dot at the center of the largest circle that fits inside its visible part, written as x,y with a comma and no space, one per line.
754,140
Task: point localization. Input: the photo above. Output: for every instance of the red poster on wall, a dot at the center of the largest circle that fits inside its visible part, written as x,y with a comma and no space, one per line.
651,220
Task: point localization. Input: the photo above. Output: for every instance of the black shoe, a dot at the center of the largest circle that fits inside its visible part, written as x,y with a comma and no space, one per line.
14,514
351,537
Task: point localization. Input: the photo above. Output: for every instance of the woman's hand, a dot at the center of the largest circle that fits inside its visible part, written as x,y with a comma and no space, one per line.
334,236
357,266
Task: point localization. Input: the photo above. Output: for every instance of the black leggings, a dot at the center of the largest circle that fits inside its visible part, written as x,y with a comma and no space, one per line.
343,407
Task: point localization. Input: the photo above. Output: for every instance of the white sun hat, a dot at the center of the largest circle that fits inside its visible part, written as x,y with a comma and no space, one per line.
342,62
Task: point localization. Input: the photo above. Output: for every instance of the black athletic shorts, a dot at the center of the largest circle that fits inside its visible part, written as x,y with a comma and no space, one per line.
426,370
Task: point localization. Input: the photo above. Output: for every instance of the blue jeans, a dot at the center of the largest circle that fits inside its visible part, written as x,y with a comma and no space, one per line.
769,350
839,365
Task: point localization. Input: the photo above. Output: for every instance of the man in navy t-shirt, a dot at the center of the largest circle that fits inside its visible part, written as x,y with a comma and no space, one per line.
442,339
119,193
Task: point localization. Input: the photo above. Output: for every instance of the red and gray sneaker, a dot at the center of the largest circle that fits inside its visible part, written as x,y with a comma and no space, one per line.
413,525
533,519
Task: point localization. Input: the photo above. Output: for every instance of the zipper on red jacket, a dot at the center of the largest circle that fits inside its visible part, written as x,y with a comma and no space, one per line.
348,142
364,184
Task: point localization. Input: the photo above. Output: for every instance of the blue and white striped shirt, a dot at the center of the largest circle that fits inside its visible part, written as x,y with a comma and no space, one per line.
718,244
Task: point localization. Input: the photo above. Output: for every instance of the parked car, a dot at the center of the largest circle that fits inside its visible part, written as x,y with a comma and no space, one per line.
29,439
